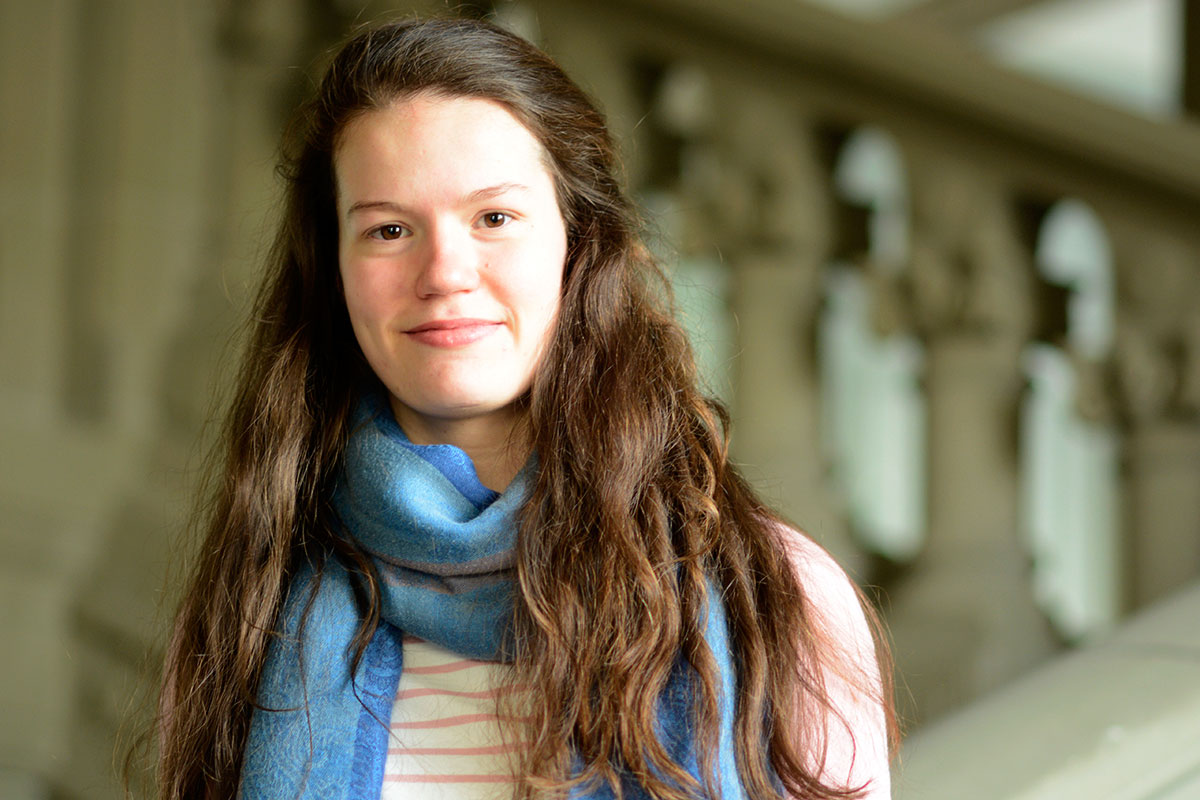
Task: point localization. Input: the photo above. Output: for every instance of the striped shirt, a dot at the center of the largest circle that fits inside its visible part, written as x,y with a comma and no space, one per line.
446,740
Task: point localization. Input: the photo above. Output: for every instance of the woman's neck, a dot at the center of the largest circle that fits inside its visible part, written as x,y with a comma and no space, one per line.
497,443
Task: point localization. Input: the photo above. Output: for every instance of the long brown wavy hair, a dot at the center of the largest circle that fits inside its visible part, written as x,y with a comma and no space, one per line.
636,506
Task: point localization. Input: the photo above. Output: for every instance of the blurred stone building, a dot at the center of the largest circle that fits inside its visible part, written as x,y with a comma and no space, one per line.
954,309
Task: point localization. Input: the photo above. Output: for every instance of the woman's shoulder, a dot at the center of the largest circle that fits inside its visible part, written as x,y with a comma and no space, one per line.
856,732
827,588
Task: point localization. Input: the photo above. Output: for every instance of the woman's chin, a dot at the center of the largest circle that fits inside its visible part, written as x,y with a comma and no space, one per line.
454,410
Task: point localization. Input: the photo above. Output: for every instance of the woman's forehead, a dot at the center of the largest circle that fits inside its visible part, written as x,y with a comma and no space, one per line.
428,142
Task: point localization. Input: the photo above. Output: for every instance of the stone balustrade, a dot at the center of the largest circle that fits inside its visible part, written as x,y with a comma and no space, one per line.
741,113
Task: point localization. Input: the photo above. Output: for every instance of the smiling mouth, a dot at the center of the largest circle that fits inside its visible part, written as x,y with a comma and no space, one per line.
452,332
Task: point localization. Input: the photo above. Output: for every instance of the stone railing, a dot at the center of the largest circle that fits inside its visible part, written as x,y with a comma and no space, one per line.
1118,719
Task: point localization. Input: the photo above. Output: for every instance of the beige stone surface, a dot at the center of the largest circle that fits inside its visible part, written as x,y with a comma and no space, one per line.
1115,721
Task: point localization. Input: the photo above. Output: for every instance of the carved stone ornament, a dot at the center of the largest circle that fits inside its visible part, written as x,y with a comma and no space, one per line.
1157,345
969,271
756,178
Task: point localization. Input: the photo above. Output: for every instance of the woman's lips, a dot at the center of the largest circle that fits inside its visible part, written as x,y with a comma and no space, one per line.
452,332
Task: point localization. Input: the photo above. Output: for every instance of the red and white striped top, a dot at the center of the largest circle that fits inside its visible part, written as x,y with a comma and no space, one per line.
446,741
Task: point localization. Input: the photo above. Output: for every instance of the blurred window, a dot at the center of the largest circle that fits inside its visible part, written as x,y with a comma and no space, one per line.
872,408
1069,463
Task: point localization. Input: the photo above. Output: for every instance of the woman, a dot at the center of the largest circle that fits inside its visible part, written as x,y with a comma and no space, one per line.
466,436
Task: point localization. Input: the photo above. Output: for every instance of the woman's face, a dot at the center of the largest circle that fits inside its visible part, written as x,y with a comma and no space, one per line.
451,250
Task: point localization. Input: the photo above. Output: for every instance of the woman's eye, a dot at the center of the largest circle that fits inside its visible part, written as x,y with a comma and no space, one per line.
387,232
494,219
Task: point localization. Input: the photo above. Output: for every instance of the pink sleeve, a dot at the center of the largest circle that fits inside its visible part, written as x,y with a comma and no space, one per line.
857,749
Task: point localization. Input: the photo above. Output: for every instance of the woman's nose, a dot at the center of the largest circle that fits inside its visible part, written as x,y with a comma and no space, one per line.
450,264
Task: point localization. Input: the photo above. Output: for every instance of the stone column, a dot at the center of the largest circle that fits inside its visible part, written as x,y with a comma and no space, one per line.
1162,462
1157,364
962,615
776,436
36,39
770,211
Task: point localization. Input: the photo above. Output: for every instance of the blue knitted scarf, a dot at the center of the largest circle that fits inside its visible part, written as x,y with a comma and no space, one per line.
443,546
